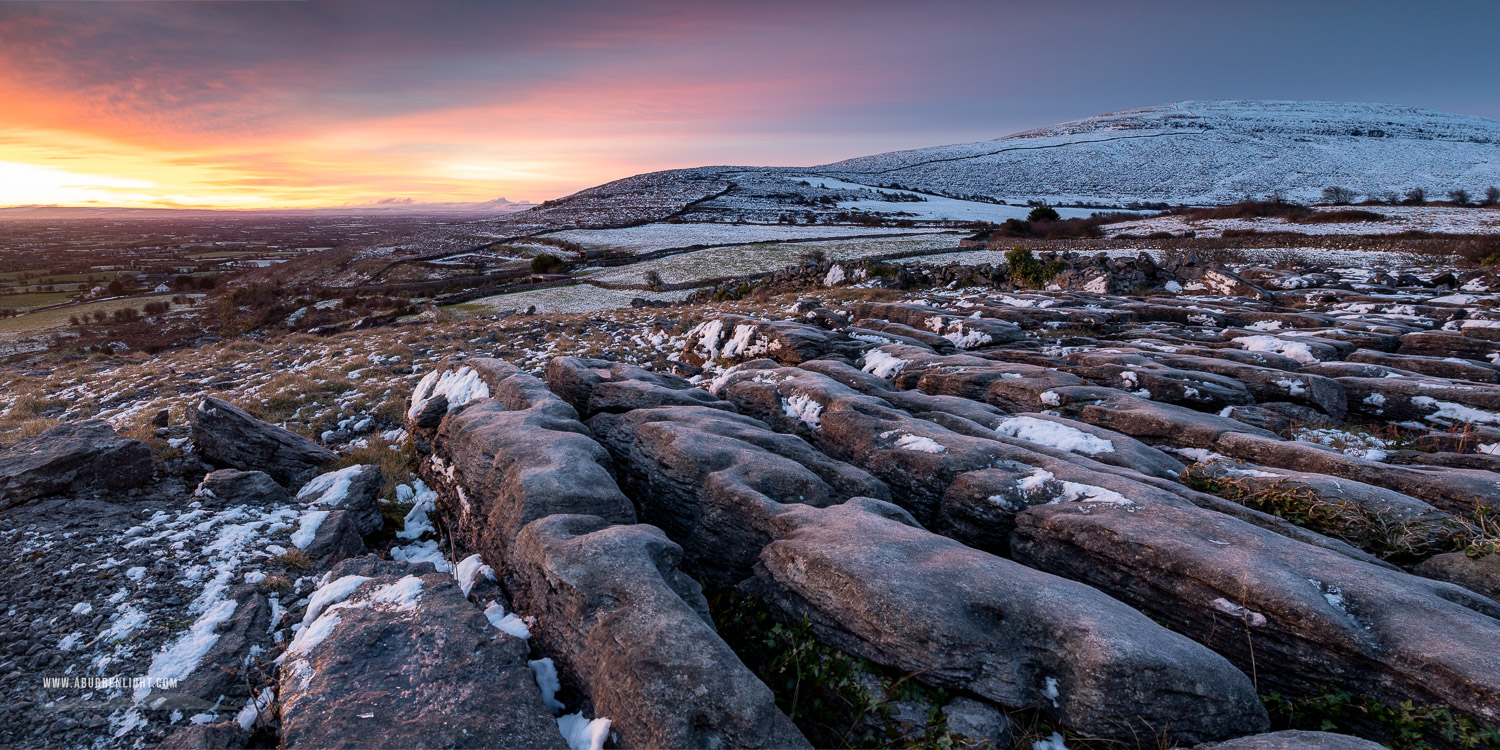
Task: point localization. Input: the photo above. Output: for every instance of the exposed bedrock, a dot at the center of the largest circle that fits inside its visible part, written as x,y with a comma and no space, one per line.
1007,385
1267,383
1447,344
733,338
592,386
523,482
406,661
1452,489
711,479
734,493
1104,446
614,613
1439,367
969,481
228,436
1294,740
1388,399
1296,616
82,457
516,455
887,590
1134,372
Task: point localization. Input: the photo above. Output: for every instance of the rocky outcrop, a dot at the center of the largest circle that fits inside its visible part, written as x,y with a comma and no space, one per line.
354,490
228,487
1480,575
1295,740
886,590
733,338
1446,488
84,457
522,482
592,386
710,480
520,454
228,436
623,623
401,659
1311,617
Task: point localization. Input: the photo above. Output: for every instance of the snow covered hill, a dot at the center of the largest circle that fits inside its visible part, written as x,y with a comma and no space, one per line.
1197,153
1207,152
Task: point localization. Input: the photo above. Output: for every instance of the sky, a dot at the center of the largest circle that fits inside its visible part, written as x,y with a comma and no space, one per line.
302,103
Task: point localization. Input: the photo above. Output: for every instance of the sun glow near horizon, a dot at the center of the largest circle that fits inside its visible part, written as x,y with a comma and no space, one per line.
337,103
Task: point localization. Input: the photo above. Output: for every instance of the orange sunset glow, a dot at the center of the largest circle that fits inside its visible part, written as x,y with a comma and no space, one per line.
301,104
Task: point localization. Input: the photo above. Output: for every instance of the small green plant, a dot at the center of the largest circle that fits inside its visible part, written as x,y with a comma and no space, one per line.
836,699
815,255
1402,726
1027,271
1043,213
293,559
547,263
1381,533
274,584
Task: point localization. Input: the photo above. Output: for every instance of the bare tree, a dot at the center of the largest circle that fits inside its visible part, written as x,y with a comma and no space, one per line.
1415,196
1338,196
1459,196
1491,196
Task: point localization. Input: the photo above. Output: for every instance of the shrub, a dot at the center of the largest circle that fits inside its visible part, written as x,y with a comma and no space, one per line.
1344,216
653,280
547,263
836,699
1338,196
1026,270
1484,250
1043,213
1415,196
1459,196
1491,196
1250,210
1404,726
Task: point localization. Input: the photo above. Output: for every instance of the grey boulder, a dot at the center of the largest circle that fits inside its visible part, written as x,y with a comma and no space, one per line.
225,434
75,457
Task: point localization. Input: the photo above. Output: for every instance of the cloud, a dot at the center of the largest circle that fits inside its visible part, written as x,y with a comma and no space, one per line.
340,101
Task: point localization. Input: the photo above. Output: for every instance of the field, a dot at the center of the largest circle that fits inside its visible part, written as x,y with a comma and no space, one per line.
743,260
576,298
1398,219
48,321
33,300
650,237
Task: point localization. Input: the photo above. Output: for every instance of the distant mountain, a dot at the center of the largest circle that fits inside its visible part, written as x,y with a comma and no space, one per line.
387,207
1196,153
1208,152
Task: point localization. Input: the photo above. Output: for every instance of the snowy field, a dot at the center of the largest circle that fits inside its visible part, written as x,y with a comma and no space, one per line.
578,298
1207,153
745,260
1259,255
649,237
1436,219
934,208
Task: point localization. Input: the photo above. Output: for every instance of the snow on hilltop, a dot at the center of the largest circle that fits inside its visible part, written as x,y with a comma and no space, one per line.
1207,153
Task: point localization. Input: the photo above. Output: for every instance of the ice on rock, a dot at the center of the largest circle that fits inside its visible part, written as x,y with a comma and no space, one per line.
459,386
1055,435
882,365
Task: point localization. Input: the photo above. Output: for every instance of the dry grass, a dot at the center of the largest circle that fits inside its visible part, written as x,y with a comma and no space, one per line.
1379,532
293,559
397,461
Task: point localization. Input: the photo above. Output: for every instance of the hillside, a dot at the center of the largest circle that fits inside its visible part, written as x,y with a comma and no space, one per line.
1207,153
1198,153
